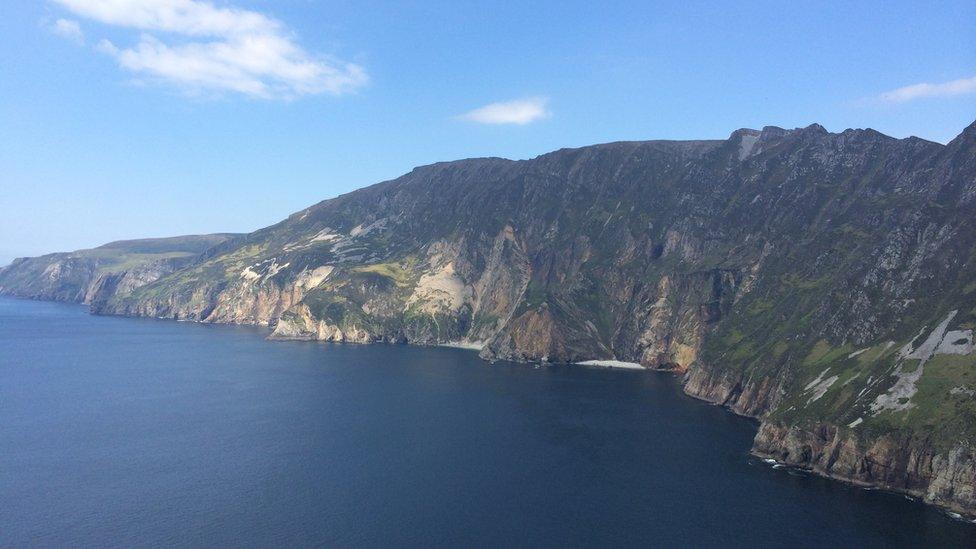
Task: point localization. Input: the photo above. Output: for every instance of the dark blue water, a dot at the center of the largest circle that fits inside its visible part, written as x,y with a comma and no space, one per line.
139,432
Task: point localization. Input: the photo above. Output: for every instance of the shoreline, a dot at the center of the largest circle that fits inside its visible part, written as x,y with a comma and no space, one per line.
954,514
609,364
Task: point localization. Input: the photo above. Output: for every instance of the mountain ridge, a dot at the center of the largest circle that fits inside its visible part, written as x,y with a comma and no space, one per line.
824,283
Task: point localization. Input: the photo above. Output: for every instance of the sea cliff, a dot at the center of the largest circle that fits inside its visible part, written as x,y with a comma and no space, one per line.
823,283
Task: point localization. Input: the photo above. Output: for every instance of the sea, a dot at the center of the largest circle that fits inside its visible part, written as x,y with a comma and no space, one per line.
122,432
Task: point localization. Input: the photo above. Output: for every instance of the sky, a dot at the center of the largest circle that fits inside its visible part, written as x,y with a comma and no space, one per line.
143,118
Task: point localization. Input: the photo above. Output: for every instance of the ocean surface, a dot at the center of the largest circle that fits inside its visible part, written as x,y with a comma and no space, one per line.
136,432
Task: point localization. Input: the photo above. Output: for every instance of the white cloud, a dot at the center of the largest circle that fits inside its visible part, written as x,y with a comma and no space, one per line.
520,111
962,86
68,29
204,48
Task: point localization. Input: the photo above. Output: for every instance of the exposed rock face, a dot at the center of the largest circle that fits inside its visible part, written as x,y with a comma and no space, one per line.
108,284
746,396
301,324
821,282
110,271
685,305
908,463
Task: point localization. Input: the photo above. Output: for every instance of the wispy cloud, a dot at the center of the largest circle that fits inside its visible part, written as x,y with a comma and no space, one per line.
963,86
68,29
199,47
520,111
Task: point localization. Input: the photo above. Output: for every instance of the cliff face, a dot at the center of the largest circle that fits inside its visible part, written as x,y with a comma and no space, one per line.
912,463
858,357
824,283
99,274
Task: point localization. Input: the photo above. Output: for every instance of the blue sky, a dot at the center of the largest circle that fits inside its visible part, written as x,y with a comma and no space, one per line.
124,119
